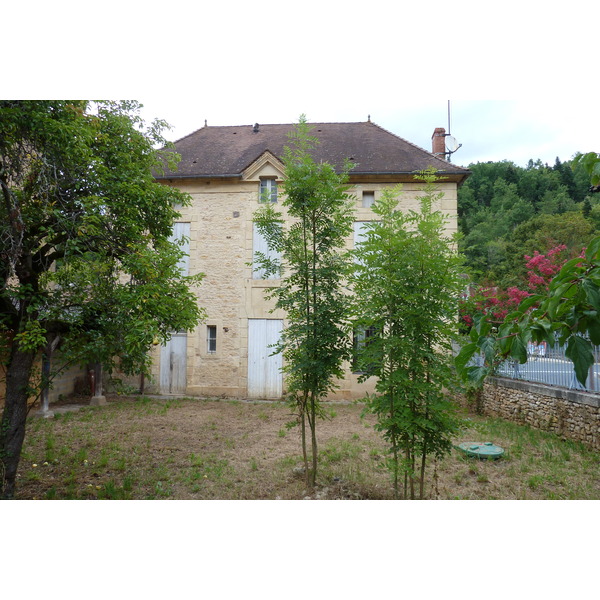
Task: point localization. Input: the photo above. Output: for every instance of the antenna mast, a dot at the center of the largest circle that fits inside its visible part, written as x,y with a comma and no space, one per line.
451,144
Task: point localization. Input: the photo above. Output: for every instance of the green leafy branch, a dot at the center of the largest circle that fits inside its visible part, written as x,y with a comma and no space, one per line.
568,314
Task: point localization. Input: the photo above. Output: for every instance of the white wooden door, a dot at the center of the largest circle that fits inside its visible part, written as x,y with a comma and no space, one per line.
265,379
173,365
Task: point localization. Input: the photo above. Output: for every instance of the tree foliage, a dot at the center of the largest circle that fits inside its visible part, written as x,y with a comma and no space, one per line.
313,268
566,311
85,248
407,283
567,314
506,211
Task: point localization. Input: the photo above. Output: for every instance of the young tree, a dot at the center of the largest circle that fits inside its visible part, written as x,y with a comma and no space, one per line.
407,285
84,242
314,267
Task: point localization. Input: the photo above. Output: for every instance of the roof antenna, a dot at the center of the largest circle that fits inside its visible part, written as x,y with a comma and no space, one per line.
450,142
205,123
369,119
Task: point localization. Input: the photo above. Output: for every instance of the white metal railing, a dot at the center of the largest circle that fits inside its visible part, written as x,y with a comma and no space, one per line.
549,366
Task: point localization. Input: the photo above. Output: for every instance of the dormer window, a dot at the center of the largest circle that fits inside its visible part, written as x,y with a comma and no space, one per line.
268,190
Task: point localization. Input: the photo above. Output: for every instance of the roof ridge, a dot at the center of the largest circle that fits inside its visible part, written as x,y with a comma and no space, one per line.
280,124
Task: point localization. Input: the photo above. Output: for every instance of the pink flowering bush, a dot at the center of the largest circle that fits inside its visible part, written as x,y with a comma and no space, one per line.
495,303
543,267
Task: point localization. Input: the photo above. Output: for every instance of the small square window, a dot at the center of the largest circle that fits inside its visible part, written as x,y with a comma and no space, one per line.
211,339
368,199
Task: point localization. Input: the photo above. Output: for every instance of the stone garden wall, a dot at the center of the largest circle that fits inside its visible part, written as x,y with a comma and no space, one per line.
571,414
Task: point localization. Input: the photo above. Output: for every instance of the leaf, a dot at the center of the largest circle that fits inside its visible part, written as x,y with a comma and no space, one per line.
542,332
592,249
569,268
595,174
592,292
464,356
593,330
580,351
482,326
518,350
476,375
488,347
528,302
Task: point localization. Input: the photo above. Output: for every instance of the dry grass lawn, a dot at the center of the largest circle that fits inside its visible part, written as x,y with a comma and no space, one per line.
148,448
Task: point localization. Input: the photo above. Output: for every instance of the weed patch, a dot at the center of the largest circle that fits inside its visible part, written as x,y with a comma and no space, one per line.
144,448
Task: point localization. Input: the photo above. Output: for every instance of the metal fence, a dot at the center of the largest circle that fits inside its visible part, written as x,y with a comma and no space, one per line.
549,366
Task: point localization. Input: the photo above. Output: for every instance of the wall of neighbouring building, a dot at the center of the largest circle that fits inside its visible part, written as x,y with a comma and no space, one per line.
571,414
70,381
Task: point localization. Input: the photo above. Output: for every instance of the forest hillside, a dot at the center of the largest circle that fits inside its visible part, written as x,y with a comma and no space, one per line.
508,213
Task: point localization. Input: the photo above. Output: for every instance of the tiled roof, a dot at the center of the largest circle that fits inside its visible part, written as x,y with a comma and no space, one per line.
227,151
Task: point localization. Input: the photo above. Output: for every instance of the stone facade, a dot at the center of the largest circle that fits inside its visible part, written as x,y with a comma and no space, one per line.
571,414
221,246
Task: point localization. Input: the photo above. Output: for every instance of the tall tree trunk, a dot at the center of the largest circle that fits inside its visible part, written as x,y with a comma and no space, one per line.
12,427
406,479
412,467
303,430
422,475
314,334
394,445
313,428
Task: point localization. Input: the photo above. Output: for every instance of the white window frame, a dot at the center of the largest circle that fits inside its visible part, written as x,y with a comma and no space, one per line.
259,244
211,339
181,236
267,189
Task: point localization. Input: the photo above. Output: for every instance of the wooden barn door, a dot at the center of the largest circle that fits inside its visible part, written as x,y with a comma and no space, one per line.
173,365
265,379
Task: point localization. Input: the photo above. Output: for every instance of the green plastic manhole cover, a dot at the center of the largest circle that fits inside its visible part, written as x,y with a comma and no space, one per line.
485,450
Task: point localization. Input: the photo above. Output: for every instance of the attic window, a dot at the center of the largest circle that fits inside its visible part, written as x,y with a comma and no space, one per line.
368,199
268,190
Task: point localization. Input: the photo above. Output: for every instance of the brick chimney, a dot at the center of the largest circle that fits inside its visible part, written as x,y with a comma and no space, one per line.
438,142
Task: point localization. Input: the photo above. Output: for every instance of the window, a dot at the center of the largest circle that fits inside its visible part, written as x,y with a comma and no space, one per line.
181,236
362,338
259,245
368,199
211,339
268,190
360,235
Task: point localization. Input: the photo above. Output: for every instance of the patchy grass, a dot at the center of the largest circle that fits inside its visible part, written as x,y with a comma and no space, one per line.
145,448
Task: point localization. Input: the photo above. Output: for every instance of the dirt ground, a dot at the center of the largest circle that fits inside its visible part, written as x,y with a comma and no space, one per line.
185,449
149,448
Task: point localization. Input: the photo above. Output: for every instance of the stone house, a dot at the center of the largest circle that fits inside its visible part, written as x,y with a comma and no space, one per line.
226,170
